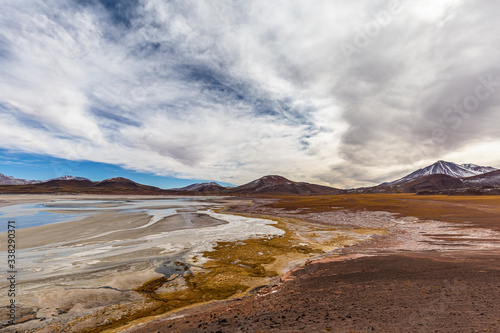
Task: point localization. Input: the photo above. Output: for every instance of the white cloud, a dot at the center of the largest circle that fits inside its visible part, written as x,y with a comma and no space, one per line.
232,90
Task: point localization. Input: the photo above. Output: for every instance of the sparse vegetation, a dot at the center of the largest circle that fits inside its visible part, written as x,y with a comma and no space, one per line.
440,207
232,269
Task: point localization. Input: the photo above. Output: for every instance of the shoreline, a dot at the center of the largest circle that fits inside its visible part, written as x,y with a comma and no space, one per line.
375,255
247,262
403,237
283,266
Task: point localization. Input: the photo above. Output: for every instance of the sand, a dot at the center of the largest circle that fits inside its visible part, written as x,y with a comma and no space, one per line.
346,269
81,274
419,276
418,292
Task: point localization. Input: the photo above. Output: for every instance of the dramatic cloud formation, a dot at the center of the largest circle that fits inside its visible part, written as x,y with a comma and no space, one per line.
336,92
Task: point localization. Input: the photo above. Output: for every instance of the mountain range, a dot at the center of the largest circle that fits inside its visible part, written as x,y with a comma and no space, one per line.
211,187
8,180
279,185
269,185
70,184
445,168
439,178
443,178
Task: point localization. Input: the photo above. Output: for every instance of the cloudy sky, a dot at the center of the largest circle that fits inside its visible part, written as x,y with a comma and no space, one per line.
346,93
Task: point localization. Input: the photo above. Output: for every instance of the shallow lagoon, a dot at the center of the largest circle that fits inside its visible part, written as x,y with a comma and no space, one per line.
39,214
95,256
71,236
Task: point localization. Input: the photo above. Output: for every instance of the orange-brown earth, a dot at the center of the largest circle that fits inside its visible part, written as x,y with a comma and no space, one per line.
449,283
483,211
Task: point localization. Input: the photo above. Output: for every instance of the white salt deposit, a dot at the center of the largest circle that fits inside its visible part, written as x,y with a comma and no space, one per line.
191,241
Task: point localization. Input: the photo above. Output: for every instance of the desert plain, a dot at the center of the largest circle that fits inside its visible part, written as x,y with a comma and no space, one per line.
341,263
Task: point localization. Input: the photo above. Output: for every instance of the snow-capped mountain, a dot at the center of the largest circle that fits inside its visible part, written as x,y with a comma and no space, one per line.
479,170
445,168
70,178
488,179
8,180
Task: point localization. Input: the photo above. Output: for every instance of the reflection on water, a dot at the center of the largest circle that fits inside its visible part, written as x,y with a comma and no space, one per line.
38,214
33,215
109,233
91,267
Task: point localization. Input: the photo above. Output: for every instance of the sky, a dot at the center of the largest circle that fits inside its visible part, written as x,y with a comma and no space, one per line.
42,167
341,93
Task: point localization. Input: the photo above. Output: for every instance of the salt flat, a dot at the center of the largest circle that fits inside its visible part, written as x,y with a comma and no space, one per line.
82,256
108,246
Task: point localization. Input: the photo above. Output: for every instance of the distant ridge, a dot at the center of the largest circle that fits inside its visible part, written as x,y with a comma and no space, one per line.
70,178
445,168
487,179
8,180
439,178
211,187
267,185
278,185
443,178
70,184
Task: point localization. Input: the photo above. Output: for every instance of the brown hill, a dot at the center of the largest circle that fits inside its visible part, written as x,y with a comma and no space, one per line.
428,183
8,180
203,188
117,185
267,185
278,185
436,182
118,182
65,183
486,179
485,184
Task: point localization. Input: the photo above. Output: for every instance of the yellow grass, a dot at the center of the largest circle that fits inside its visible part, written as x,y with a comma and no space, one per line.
480,209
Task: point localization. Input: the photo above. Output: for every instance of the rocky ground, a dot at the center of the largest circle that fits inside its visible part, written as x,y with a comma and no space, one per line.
418,292
422,276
